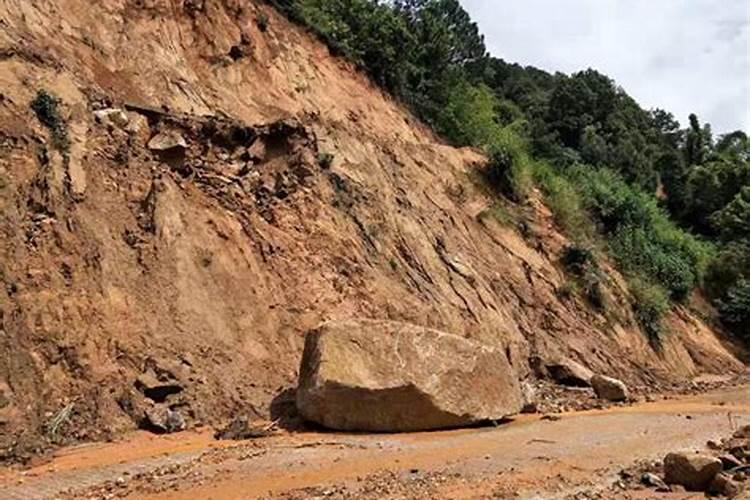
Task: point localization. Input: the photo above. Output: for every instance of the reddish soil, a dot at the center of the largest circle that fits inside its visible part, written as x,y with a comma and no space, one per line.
528,457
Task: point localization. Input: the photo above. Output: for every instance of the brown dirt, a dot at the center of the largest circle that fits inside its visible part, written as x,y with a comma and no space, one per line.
206,270
528,458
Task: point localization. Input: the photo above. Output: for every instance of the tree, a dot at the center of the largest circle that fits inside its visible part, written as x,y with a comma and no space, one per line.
697,142
733,221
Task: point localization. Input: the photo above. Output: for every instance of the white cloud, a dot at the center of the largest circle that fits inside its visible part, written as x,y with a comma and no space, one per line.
681,55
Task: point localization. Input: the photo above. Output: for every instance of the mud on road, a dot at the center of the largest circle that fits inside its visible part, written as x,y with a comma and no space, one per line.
530,457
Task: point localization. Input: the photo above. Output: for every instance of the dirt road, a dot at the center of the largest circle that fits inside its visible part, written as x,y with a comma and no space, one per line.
529,457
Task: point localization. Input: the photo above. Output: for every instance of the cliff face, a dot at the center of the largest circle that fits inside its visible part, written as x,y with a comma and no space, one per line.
294,192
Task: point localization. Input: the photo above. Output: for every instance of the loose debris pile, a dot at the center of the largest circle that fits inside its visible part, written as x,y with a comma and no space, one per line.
721,470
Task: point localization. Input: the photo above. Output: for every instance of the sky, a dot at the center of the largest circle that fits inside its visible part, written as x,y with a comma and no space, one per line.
684,56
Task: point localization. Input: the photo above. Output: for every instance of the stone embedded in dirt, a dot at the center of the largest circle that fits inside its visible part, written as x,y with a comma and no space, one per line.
654,481
742,432
528,394
257,151
242,428
114,116
609,388
569,372
155,388
724,485
383,376
739,448
691,470
730,462
160,418
169,140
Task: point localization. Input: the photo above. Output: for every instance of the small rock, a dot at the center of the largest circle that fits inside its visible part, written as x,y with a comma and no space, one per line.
654,481
169,140
160,418
175,421
529,398
569,372
241,428
609,388
257,151
730,462
713,445
114,116
694,471
724,485
743,432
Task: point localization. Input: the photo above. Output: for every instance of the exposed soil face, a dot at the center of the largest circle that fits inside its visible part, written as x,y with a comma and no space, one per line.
140,279
581,455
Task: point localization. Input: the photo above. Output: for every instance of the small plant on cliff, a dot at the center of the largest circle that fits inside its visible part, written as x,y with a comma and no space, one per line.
325,160
577,259
262,21
47,109
581,263
650,304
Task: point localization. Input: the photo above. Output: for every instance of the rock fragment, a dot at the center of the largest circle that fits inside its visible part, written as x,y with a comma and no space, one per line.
113,116
569,372
691,470
609,388
167,141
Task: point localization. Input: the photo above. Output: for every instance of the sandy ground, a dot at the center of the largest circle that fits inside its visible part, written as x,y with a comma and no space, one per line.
530,457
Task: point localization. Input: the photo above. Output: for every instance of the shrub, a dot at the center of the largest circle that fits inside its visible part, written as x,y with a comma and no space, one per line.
735,309
325,160
730,265
577,259
46,107
262,21
500,213
581,263
650,304
564,200
567,290
509,168
641,236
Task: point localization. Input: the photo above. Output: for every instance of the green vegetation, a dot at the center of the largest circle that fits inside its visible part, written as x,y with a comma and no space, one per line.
650,304
262,21
671,206
325,160
46,106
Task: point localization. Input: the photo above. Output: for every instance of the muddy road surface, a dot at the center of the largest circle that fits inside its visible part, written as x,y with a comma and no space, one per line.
531,457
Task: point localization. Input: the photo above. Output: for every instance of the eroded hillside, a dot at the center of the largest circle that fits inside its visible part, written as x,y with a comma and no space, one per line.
139,271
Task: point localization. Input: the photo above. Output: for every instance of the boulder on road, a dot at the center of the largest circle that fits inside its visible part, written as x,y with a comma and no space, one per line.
609,388
382,376
569,372
691,470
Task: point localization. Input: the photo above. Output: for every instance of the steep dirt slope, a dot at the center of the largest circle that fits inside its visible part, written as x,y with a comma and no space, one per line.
204,268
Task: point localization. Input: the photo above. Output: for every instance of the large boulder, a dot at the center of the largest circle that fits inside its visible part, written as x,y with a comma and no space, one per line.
691,470
609,388
382,376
